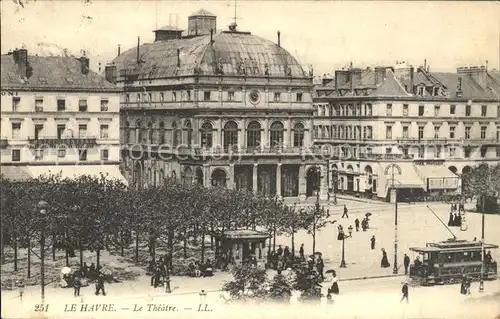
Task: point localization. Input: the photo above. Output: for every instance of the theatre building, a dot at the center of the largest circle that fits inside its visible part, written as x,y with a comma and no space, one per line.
58,117
217,108
430,126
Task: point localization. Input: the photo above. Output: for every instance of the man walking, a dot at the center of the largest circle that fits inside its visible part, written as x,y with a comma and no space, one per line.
301,252
320,266
77,284
356,223
345,212
406,262
404,290
372,240
99,285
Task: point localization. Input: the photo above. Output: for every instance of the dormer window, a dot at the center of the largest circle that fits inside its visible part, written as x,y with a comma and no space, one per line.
420,90
435,91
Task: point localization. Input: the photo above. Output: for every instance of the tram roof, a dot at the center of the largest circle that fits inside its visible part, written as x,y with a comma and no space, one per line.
452,249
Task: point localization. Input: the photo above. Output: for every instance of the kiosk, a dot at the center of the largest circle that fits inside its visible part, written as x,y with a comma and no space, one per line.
241,245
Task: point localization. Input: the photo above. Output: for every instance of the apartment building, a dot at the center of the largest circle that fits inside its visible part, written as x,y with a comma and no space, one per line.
433,126
57,117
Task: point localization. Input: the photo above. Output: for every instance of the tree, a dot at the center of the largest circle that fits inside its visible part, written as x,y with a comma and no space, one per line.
313,219
249,283
308,282
291,223
280,289
483,182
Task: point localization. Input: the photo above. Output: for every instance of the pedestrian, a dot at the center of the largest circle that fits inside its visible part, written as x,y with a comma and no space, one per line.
451,220
406,262
320,265
99,285
280,251
77,284
286,253
345,212
384,263
461,207
372,242
458,220
404,290
157,276
334,289
85,270
301,252
356,223
153,267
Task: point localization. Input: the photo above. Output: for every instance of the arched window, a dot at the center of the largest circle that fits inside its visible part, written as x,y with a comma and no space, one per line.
175,134
219,178
189,132
206,135
138,132
150,133
298,135
161,133
230,135
253,135
277,133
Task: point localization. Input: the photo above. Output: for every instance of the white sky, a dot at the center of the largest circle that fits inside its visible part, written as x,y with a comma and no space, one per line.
325,34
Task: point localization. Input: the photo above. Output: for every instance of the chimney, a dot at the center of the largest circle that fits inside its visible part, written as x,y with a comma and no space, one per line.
459,87
178,58
84,64
110,73
138,50
478,74
279,39
425,64
119,50
380,73
211,36
341,78
412,80
326,79
21,59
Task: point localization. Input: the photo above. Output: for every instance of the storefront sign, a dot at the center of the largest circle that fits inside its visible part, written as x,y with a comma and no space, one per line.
442,183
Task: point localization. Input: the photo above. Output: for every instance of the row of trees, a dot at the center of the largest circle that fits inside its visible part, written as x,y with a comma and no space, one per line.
483,183
95,213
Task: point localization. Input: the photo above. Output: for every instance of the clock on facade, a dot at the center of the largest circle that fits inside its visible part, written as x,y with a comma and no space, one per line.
254,96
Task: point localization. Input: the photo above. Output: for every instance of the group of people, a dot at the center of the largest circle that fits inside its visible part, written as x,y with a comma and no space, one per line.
201,269
364,223
455,219
282,258
159,271
86,273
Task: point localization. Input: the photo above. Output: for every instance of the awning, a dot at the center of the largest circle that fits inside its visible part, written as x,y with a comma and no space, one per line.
111,172
15,173
407,179
438,177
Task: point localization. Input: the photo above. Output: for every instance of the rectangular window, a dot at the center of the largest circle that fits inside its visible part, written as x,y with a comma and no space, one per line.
467,132
438,151
38,130
420,132
174,96
467,110
104,131
484,151
452,109
498,111
39,154
149,97
82,130
467,151
405,131
61,104
389,110
436,131
452,132
16,131
299,97
388,150
421,152
452,151
388,132
104,105
369,132
82,106
435,91
230,96
16,155
420,110
206,96
188,93
420,90
405,151
82,154
16,100
162,96
405,109
277,96
138,97
436,110
61,152
60,130
127,98
104,155
39,105
483,132
498,151
369,109
484,110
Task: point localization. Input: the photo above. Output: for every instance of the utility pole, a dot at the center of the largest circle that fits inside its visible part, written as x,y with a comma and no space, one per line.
392,167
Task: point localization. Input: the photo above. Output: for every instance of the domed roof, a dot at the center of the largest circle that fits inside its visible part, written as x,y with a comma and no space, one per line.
234,51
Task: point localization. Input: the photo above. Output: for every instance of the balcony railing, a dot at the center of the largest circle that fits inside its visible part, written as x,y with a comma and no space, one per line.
249,151
388,156
52,142
447,140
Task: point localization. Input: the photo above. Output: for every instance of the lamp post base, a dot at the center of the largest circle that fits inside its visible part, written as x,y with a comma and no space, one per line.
342,264
481,286
395,270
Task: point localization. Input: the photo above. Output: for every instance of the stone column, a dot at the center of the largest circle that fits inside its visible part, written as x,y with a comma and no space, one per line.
206,176
278,180
230,183
302,182
254,178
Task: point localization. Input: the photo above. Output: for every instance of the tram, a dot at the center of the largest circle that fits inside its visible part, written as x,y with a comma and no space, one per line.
447,261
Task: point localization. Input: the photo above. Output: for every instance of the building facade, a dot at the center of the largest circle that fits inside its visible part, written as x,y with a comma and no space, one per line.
228,109
57,117
433,126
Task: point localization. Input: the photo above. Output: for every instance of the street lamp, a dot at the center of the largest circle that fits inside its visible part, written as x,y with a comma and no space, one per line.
42,209
394,169
343,238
